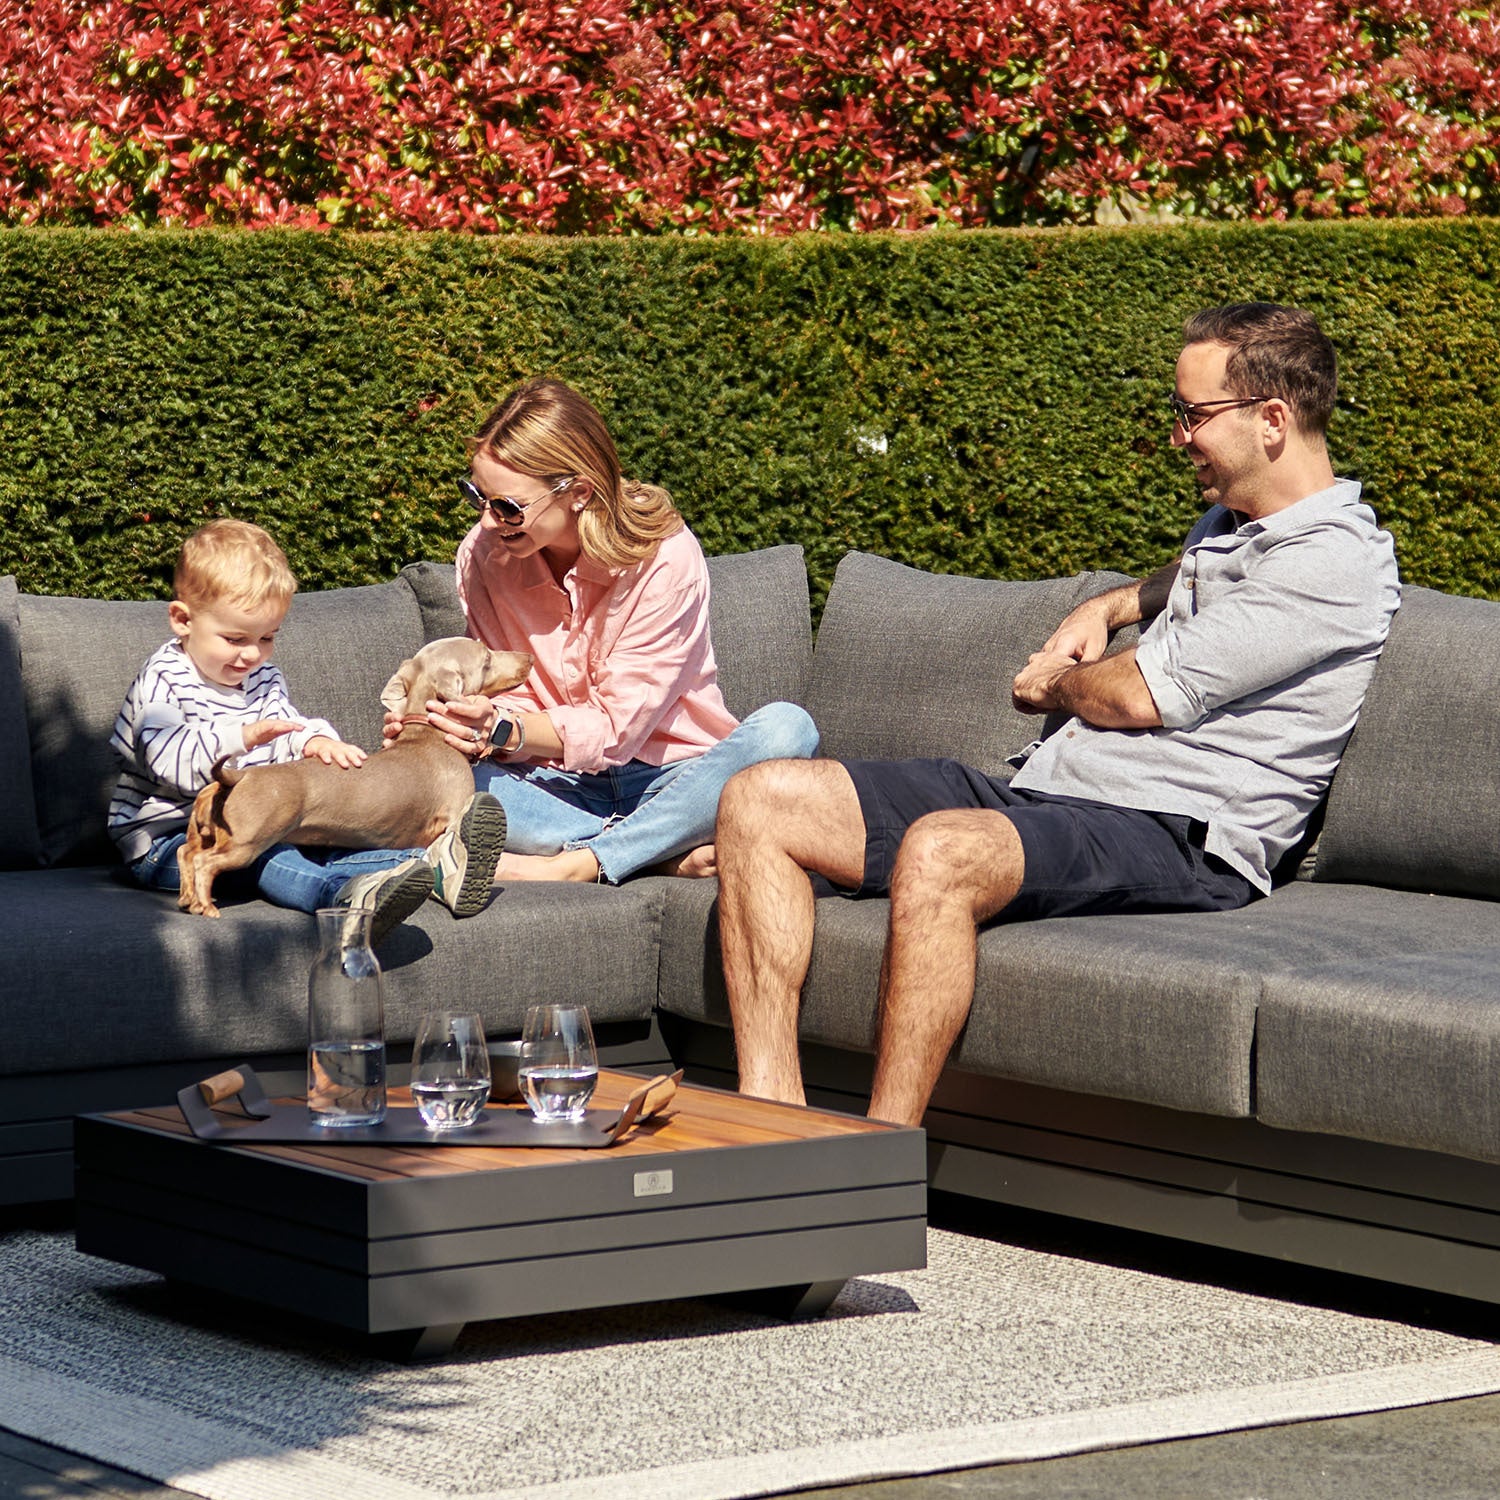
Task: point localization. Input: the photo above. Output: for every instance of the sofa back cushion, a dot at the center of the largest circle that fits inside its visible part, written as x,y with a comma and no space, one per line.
1416,801
20,844
761,618
909,663
79,656
758,611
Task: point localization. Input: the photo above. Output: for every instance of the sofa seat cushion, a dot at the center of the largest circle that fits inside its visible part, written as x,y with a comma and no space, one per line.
95,972
1403,1049
1157,1009
337,649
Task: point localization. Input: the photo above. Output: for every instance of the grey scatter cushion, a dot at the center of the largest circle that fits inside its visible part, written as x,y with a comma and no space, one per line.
909,663
20,844
435,586
1416,801
79,656
339,648
761,623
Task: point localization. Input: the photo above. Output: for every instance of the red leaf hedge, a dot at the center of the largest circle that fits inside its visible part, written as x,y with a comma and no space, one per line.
605,115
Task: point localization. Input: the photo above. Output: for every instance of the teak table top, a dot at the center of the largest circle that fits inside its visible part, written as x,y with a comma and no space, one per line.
698,1119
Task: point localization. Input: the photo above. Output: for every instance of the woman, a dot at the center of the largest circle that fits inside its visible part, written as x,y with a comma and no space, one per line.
610,758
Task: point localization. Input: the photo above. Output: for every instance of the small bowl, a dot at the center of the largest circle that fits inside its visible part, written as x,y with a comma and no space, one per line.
505,1069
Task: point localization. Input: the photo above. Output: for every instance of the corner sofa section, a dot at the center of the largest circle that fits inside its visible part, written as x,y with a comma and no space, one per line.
112,997
1310,1078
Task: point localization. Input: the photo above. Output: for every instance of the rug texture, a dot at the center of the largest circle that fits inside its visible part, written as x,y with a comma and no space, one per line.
993,1353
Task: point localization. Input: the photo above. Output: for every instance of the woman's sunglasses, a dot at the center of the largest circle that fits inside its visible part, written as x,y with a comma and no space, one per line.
513,511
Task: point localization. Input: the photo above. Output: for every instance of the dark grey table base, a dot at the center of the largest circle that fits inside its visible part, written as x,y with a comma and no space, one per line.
418,1257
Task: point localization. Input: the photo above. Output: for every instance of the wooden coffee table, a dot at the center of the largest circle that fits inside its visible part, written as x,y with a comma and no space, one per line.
726,1194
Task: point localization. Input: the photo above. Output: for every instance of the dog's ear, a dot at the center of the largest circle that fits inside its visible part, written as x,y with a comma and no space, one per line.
448,683
395,693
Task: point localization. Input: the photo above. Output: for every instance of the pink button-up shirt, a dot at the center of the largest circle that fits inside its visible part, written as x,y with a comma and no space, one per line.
624,666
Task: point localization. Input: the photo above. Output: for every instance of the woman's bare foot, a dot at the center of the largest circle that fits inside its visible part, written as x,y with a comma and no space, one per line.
571,864
695,864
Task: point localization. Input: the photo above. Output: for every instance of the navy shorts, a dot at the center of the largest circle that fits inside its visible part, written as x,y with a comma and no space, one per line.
1081,856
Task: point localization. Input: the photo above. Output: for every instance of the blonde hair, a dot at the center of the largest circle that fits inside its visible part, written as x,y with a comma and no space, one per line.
235,563
546,430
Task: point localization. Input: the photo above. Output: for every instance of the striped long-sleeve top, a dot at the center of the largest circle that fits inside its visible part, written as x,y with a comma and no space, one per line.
174,726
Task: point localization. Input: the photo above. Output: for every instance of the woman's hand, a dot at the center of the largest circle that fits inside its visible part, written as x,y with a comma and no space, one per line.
465,722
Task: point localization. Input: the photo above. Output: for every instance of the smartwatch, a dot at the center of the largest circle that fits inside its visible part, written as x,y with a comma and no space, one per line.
501,733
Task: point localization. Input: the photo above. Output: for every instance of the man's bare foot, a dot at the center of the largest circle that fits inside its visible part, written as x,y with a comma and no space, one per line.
571,864
694,865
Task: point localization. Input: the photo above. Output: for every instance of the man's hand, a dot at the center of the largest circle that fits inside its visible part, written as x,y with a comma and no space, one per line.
1035,689
334,752
1082,636
1085,631
1109,693
263,731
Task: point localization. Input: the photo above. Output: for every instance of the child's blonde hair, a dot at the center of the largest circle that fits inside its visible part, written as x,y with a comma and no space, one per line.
235,563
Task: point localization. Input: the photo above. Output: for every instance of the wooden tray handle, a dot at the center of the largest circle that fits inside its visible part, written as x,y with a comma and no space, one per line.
221,1086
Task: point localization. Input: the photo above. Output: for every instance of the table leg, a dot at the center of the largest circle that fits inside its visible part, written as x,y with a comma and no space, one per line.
803,1301
416,1345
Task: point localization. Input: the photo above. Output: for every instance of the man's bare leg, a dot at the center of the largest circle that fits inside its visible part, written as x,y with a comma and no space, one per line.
777,821
954,870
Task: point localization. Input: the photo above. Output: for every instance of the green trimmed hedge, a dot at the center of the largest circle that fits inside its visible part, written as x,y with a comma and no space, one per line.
987,402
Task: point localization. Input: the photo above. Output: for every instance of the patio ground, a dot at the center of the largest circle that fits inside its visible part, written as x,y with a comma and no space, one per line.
1449,1451
1445,1452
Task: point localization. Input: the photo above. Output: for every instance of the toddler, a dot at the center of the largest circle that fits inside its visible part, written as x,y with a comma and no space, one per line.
212,692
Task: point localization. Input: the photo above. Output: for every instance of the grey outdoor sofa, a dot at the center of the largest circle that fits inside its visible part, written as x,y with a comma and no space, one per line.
1312,1078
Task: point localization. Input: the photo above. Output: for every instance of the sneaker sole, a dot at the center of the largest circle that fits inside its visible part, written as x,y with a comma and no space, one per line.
399,900
482,833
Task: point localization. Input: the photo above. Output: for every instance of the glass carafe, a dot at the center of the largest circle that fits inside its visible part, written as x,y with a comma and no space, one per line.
345,1024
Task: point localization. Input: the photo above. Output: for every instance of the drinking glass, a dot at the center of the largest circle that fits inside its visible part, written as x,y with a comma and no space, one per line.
450,1069
559,1066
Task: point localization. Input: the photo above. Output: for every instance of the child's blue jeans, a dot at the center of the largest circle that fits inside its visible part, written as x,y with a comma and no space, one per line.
303,879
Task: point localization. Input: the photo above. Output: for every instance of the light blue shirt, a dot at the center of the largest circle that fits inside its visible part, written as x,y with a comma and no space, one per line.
1258,666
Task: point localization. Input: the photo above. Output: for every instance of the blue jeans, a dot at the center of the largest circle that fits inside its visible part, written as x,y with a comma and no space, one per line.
636,815
303,879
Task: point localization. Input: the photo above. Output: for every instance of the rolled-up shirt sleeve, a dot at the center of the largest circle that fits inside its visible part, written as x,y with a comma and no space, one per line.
1302,597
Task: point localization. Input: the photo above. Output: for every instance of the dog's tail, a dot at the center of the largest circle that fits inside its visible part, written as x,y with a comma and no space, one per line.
225,774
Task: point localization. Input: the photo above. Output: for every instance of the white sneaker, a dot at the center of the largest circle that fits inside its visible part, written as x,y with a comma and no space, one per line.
463,859
388,895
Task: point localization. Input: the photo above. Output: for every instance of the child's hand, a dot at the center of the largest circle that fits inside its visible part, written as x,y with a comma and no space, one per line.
334,752
263,731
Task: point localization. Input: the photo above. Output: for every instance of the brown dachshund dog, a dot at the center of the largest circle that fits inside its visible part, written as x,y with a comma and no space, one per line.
401,798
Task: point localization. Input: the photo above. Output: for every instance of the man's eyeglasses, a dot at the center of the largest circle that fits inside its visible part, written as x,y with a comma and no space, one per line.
1191,415
507,509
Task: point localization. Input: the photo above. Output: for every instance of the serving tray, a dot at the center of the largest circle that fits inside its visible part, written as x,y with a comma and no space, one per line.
265,1123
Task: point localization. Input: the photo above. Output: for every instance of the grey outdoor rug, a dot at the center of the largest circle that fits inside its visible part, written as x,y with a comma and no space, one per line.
993,1353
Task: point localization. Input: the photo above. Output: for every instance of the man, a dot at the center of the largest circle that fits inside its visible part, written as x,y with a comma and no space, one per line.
1190,765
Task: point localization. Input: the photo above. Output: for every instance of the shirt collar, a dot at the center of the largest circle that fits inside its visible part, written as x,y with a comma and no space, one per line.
1339,495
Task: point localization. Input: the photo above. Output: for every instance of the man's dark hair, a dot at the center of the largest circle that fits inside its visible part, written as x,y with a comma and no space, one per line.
1273,351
